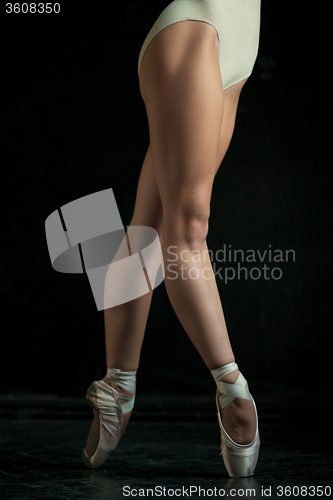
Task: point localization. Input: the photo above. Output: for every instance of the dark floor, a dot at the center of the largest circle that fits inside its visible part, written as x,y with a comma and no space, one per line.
166,445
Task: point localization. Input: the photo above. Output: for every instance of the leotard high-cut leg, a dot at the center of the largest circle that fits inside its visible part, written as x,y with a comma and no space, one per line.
237,23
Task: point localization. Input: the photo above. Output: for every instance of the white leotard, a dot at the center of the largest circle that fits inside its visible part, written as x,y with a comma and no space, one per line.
237,23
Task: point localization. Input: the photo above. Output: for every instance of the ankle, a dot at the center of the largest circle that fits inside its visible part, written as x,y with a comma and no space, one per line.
124,382
119,389
232,377
236,404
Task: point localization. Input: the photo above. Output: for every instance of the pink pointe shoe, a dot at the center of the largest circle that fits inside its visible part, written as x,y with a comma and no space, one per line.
105,400
240,460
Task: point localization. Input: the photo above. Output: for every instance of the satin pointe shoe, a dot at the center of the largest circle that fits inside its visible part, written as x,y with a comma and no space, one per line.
105,400
240,460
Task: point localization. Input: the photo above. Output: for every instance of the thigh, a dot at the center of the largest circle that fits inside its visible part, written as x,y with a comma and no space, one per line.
181,85
230,101
148,207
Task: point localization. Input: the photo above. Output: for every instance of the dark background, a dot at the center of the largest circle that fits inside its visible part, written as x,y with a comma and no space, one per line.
73,123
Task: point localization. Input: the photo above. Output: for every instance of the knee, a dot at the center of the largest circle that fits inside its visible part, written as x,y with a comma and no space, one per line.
194,221
190,221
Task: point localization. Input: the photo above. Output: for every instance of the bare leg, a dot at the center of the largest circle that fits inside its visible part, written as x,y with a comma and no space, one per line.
181,86
182,89
125,324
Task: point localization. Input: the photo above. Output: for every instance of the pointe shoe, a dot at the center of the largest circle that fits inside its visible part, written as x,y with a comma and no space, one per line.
240,460
105,399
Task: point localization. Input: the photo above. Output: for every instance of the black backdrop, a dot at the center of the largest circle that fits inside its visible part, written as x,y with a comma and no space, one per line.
73,123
